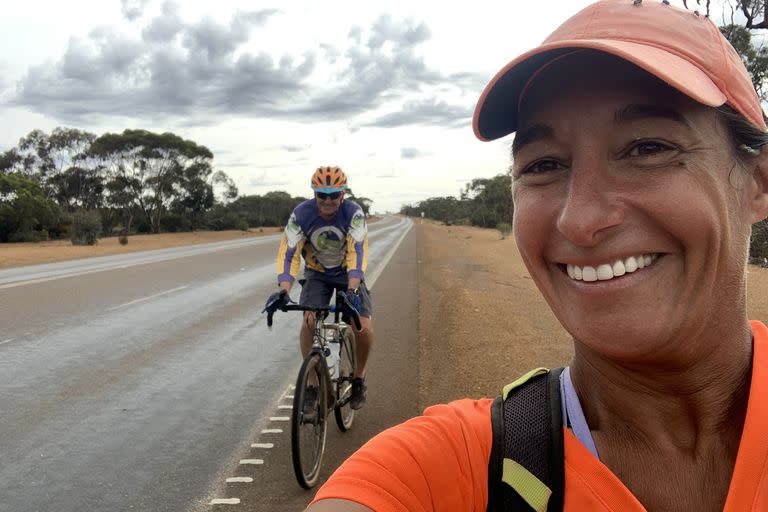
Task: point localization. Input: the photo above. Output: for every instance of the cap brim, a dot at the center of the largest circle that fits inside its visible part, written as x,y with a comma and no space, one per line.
496,111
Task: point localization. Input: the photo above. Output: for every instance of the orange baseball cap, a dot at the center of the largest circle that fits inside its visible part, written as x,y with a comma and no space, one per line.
684,49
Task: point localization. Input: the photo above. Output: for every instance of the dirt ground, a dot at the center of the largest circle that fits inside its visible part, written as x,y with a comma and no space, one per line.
482,321
16,255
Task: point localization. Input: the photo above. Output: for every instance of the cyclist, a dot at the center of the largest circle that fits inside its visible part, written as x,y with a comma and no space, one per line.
331,234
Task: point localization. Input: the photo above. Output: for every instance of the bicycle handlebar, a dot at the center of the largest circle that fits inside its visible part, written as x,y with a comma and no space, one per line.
341,300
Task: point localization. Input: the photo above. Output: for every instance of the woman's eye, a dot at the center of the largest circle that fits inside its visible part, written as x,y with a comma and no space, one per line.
647,148
542,166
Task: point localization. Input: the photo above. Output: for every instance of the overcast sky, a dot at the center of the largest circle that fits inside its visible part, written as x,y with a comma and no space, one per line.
276,89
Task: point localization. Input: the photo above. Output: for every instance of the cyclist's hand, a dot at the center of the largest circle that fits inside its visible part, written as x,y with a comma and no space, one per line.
276,301
355,301
352,304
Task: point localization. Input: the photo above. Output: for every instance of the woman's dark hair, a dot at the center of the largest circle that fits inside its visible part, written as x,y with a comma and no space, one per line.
744,135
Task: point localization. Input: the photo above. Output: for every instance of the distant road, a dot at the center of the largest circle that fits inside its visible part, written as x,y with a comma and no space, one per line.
132,382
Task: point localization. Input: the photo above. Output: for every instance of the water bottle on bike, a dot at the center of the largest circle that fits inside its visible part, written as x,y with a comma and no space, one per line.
332,352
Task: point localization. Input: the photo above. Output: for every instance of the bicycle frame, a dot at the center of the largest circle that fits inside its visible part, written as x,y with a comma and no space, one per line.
336,390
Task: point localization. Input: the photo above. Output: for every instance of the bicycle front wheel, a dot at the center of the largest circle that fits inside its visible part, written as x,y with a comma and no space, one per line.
308,420
343,412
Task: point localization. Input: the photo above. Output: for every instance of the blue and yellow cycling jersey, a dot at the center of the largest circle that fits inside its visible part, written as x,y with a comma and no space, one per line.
334,247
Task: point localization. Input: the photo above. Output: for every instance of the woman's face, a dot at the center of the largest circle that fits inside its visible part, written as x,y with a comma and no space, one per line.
631,212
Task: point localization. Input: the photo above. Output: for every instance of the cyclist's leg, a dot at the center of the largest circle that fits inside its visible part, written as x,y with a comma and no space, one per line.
364,336
363,344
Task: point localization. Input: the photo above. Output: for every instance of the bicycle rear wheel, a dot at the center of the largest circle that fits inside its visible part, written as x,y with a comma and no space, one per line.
308,424
342,411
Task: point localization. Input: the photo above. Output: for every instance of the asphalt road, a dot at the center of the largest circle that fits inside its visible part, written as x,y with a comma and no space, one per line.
138,382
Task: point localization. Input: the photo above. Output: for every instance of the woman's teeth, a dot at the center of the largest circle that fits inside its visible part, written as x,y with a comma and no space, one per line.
608,271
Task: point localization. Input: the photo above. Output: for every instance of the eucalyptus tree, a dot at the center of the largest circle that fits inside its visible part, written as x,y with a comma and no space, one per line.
149,172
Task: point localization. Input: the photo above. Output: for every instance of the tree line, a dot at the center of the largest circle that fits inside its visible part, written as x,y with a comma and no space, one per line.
137,181
484,202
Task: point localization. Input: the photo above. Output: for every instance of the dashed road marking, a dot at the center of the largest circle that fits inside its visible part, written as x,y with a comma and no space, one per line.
279,418
272,431
225,501
288,397
285,407
147,298
7,341
252,461
266,446
243,479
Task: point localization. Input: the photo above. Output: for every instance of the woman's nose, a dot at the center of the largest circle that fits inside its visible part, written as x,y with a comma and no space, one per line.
590,208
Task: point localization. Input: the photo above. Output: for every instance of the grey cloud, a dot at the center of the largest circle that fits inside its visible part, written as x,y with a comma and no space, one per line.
166,26
133,9
194,71
425,112
410,153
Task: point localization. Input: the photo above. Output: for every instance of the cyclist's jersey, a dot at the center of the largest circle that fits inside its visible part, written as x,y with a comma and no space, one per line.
335,247
438,462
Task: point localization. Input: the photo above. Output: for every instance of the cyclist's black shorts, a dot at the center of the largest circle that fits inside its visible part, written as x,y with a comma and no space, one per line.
318,289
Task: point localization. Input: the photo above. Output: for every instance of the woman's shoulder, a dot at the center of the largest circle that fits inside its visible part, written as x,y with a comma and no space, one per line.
440,457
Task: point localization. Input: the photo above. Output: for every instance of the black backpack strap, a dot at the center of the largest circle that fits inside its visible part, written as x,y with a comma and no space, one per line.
556,442
495,463
526,467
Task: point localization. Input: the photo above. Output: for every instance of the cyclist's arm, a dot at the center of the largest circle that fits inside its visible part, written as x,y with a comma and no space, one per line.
289,254
437,462
357,248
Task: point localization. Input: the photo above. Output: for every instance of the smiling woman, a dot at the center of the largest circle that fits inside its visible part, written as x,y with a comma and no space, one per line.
638,169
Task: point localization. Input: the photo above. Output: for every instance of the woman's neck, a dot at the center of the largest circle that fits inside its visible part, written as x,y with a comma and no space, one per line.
678,405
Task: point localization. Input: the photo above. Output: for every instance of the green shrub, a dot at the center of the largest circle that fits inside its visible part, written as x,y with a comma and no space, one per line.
87,228
504,229
29,236
175,223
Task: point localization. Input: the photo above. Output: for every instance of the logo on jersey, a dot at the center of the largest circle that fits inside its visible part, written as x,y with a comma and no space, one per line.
358,221
329,244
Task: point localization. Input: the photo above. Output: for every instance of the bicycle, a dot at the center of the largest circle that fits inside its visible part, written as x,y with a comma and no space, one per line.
333,384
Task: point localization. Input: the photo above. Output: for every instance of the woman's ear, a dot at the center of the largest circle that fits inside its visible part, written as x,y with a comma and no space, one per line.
758,186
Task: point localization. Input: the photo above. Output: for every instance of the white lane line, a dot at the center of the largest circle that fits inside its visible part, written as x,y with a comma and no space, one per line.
225,501
252,461
288,397
371,277
272,431
279,418
7,341
266,446
242,479
166,292
285,407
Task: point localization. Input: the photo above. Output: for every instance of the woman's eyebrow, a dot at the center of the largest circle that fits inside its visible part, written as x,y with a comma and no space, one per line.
636,112
529,135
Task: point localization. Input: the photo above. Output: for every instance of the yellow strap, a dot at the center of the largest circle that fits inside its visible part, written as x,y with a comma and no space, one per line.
530,488
522,380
